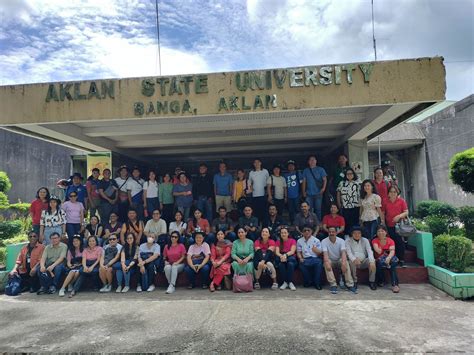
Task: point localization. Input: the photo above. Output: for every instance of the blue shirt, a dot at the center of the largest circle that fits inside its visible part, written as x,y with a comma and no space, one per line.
293,181
223,184
80,190
311,187
183,201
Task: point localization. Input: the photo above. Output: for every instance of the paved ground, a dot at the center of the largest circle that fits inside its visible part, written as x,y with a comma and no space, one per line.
419,319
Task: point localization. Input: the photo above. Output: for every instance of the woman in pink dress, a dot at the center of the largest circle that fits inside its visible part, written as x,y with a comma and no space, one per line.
220,258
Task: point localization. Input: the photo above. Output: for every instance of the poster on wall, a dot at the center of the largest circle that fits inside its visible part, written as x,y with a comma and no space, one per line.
99,160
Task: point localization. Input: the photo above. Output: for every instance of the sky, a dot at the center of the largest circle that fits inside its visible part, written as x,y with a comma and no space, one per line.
57,40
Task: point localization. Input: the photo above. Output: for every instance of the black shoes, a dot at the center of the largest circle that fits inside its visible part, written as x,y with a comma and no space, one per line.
372,285
41,291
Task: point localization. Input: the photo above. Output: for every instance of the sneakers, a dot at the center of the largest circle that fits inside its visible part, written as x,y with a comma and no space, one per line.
151,288
274,286
341,282
103,289
139,288
170,289
395,289
292,287
256,286
284,286
69,288
353,289
62,292
372,286
119,289
333,290
109,288
125,289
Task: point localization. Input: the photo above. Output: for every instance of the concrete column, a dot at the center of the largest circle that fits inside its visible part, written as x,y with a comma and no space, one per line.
359,157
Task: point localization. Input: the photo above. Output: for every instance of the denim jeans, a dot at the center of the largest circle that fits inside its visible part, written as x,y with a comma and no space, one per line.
399,243
71,230
286,269
120,275
311,268
149,276
50,230
105,210
185,211
203,273
370,229
315,202
231,236
46,280
205,206
293,208
210,239
83,275
380,273
151,205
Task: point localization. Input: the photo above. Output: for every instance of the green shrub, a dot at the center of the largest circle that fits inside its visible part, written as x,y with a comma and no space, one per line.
21,207
459,253
435,208
3,255
466,216
457,231
9,229
440,247
3,199
15,240
461,170
5,184
420,225
437,225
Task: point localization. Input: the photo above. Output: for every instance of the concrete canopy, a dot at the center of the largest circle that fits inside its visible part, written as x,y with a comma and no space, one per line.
237,115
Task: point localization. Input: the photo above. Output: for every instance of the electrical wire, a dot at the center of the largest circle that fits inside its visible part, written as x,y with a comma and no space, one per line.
158,38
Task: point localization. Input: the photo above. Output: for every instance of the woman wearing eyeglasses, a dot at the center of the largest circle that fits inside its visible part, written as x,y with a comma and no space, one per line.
74,216
174,255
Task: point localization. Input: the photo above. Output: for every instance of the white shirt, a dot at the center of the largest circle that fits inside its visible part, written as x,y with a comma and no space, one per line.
156,228
258,179
335,249
173,227
135,186
151,189
279,184
121,183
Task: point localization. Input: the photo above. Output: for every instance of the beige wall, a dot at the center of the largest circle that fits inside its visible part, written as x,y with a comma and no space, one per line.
390,82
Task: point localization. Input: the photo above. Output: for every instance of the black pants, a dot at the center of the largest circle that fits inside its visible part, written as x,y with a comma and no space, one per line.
123,207
351,217
399,243
259,205
28,282
280,205
167,213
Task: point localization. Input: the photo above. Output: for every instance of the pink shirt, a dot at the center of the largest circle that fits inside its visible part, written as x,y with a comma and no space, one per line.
92,254
174,253
287,244
196,250
73,211
264,246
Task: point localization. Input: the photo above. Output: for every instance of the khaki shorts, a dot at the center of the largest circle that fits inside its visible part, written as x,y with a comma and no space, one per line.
225,201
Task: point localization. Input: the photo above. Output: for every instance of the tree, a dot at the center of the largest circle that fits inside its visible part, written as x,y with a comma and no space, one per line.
462,170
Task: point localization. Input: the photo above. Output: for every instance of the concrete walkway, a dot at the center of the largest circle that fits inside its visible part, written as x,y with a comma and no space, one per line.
419,319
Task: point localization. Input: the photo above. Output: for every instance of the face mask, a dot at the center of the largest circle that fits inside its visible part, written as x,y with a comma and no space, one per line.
150,240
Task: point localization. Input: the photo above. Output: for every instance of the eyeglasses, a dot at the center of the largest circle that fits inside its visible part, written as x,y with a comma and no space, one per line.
156,212
307,230
174,237
112,238
72,195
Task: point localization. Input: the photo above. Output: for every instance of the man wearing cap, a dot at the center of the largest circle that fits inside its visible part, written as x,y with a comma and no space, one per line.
78,188
293,183
308,250
27,263
360,255
276,189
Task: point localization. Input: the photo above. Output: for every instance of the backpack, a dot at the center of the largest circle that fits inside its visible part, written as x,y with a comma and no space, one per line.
13,287
242,283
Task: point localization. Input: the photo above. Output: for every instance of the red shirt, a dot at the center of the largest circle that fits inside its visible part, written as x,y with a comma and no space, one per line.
393,209
287,244
35,210
174,253
382,190
337,221
264,246
203,224
385,248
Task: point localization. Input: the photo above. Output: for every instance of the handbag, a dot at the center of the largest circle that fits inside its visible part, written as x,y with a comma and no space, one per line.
405,228
13,287
319,183
242,283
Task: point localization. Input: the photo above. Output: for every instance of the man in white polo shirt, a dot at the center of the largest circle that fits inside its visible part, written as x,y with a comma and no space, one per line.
335,257
258,181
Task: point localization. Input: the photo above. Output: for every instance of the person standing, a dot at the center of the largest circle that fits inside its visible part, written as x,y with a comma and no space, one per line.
242,191
135,193
223,188
151,201
314,185
77,187
37,206
93,196
183,193
396,209
258,181
371,209
381,185
348,198
53,220
165,195
277,190
74,216
203,192
123,203
293,182
108,196
339,173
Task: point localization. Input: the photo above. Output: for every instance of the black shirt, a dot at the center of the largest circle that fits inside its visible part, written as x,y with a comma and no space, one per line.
203,186
274,227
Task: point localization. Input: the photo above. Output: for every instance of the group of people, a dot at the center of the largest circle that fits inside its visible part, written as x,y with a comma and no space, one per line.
147,229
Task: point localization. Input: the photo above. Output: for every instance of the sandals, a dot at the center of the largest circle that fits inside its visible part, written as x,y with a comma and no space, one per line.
395,289
256,286
211,287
